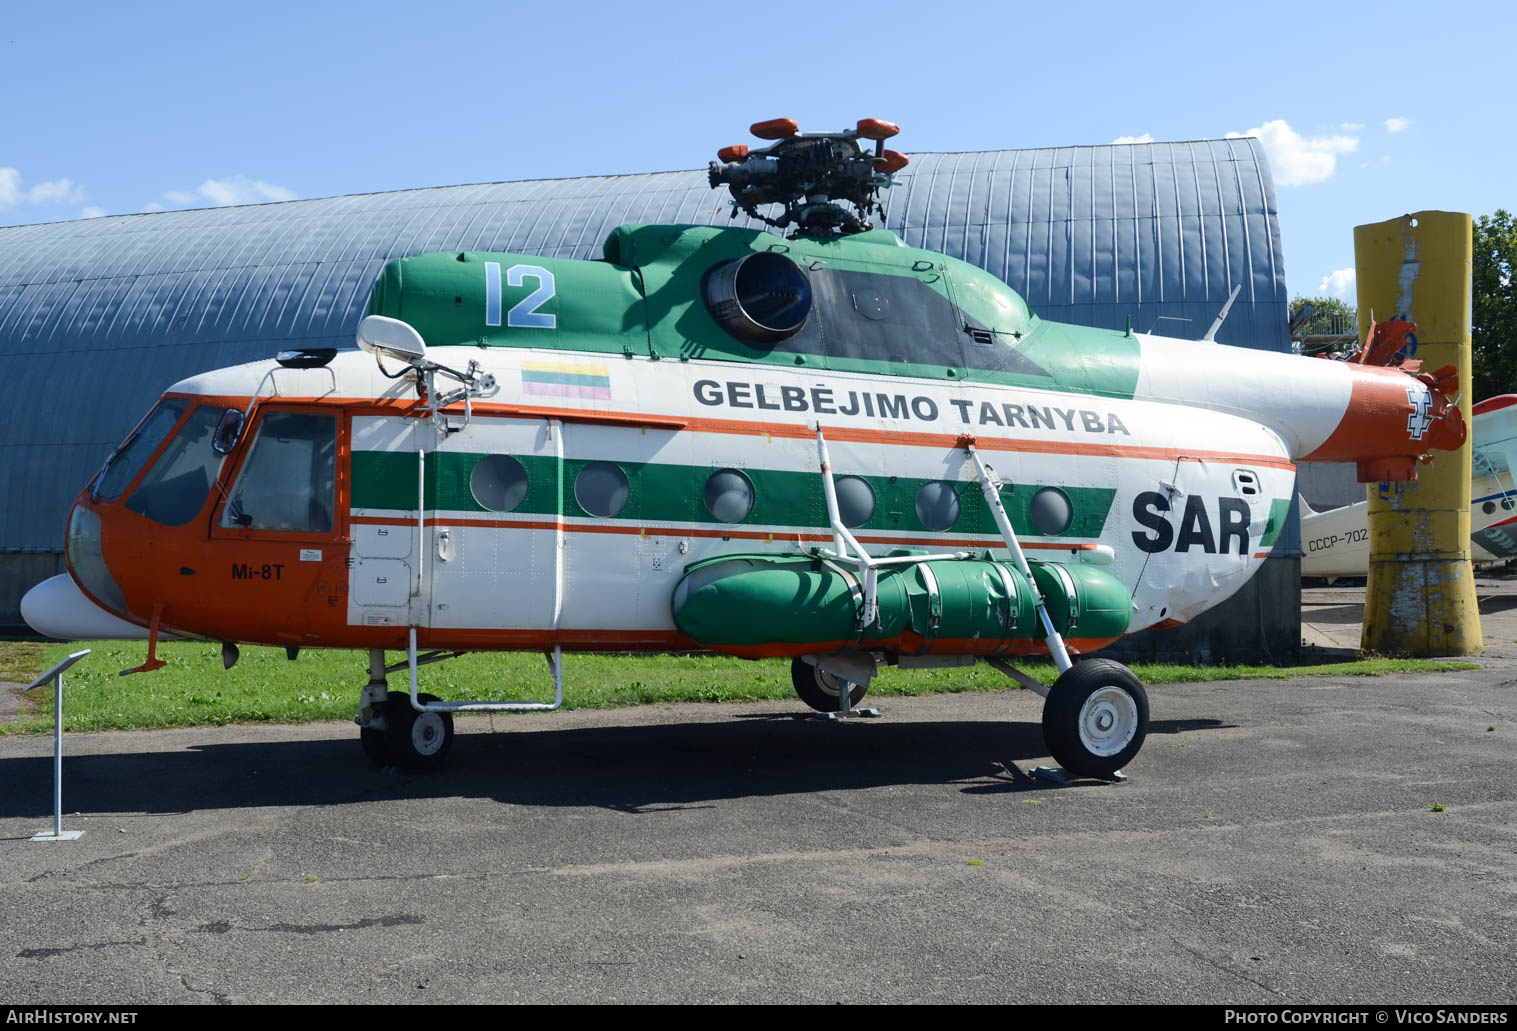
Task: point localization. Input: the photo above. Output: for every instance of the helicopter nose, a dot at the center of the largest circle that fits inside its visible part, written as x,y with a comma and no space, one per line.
58,608
86,602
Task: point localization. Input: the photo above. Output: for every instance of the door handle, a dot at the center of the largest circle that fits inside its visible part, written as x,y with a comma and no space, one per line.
444,545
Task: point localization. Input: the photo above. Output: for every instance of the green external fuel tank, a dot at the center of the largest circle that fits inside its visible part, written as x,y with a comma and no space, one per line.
761,605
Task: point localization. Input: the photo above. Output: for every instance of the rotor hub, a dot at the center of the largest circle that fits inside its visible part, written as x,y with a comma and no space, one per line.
827,182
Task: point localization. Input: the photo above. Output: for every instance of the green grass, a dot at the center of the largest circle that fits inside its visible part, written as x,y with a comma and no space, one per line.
265,687
21,661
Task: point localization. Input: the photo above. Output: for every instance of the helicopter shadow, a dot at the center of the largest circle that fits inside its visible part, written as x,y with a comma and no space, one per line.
634,769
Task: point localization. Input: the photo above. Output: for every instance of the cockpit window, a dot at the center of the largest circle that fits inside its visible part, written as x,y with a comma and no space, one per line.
175,488
290,479
122,467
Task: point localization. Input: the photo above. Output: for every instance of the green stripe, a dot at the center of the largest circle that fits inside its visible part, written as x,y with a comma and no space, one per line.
661,492
1278,510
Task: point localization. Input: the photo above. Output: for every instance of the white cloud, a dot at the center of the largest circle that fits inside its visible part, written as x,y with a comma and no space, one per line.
239,189
1298,160
56,191
1397,124
1339,283
1351,126
93,212
1145,138
235,189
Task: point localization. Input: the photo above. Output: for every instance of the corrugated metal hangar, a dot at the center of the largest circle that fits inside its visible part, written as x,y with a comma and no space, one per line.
99,316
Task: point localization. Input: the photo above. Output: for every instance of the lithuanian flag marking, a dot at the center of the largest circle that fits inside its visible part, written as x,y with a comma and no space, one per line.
566,379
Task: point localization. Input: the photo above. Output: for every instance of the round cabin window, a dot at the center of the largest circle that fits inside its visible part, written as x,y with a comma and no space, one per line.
729,496
855,500
498,483
1051,511
938,505
601,489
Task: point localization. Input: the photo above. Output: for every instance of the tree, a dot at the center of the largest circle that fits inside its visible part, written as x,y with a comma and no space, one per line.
1494,309
1330,317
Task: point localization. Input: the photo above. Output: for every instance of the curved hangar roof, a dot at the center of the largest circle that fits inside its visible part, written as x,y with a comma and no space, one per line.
98,316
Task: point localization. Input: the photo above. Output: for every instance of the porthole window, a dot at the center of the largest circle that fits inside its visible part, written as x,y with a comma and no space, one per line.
1488,507
729,495
498,483
1051,511
855,500
938,505
601,489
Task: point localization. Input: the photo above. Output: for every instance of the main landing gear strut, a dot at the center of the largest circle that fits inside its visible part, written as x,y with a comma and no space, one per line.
415,731
1095,717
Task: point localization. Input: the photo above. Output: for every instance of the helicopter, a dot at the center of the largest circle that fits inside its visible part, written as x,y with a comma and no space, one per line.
815,443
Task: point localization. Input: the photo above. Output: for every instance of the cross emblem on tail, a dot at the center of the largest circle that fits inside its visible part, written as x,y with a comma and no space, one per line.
1422,416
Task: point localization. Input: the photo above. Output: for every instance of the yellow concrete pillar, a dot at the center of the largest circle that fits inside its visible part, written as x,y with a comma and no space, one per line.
1420,598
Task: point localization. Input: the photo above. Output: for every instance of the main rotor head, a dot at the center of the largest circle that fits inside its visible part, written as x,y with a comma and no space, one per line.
812,174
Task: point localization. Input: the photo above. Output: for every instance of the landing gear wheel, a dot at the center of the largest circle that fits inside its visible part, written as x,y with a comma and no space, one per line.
819,689
1095,718
417,741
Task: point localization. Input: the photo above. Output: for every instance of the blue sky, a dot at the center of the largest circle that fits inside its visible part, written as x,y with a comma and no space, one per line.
1366,110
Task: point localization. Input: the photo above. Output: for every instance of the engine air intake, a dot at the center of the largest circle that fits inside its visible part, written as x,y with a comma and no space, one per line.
761,298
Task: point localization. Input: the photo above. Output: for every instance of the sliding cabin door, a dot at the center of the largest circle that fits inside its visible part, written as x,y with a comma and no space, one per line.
494,543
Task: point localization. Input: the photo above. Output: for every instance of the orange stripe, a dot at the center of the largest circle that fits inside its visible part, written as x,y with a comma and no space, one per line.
793,431
665,531
1492,404
673,640
574,639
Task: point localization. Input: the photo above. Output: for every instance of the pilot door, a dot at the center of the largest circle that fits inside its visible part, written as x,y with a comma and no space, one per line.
280,528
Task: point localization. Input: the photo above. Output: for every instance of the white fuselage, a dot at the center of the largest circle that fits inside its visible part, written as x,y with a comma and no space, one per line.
1167,470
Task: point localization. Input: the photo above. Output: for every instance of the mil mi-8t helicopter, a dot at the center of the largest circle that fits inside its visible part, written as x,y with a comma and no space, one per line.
827,446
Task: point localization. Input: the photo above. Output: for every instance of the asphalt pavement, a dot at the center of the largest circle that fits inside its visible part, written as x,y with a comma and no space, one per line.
1330,839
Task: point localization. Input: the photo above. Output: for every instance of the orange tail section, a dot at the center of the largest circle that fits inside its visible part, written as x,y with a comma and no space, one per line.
1378,432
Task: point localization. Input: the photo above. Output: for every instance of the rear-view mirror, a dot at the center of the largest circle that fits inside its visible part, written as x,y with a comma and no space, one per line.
228,430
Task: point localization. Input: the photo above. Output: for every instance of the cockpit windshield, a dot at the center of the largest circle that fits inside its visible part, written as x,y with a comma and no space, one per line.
175,488
123,466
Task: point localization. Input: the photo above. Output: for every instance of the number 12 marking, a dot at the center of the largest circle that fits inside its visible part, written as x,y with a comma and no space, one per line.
524,314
